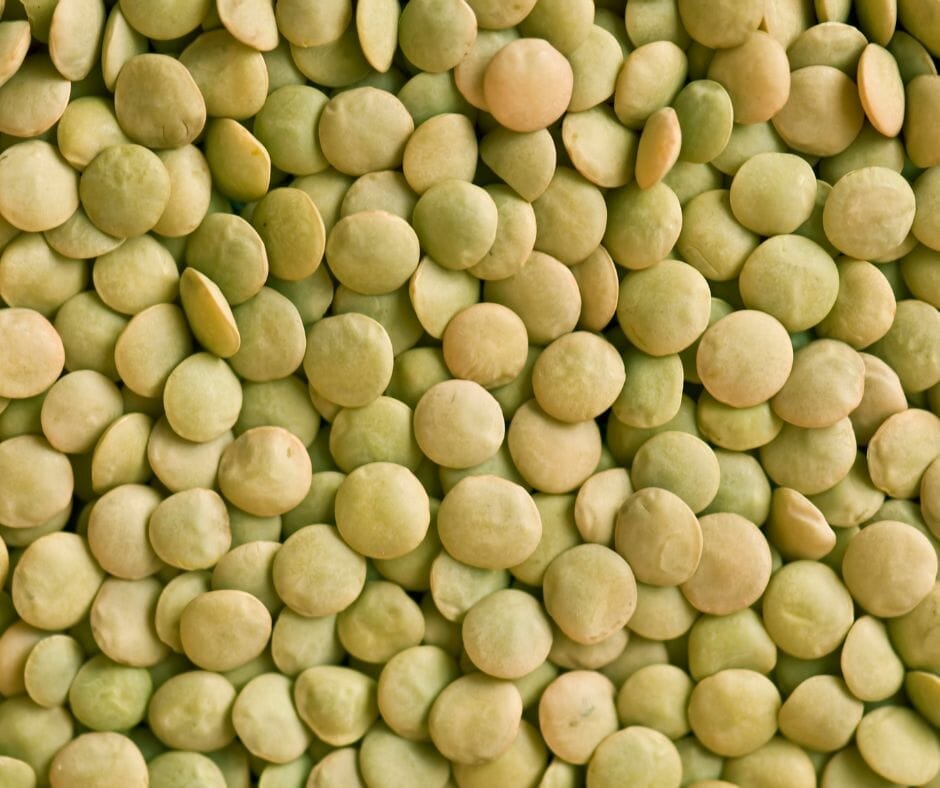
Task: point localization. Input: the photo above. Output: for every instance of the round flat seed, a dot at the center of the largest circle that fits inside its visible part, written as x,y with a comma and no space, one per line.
38,189
877,19
649,80
659,147
825,385
485,343
377,27
504,152
744,358
229,251
912,57
652,393
673,321
773,193
266,720
595,65
120,456
75,37
87,757
579,607
910,345
469,72
438,294
522,70
372,252
869,212
253,22
50,669
706,119
497,15
889,567
125,190
881,90
86,128
364,130
570,217
290,226
231,76
334,64
659,536
441,148
49,567
601,148
810,460
165,19
476,426
792,279
31,353
807,609
724,581
500,536
381,510
577,377
823,113
538,442
239,163
633,756
120,42
202,398
436,34
33,99
865,307
680,463
283,128
898,745
222,630
34,276
348,359
306,23
265,471
209,314
122,622
14,45
316,573
190,191
158,103
828,44
456,223
712,239
180,464
265,354
150,347
901,450
922,115
720,25
642,225
78,408
597,281
565,25
758,60
544,293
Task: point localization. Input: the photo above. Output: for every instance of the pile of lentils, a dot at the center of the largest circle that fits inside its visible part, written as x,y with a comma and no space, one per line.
469,393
